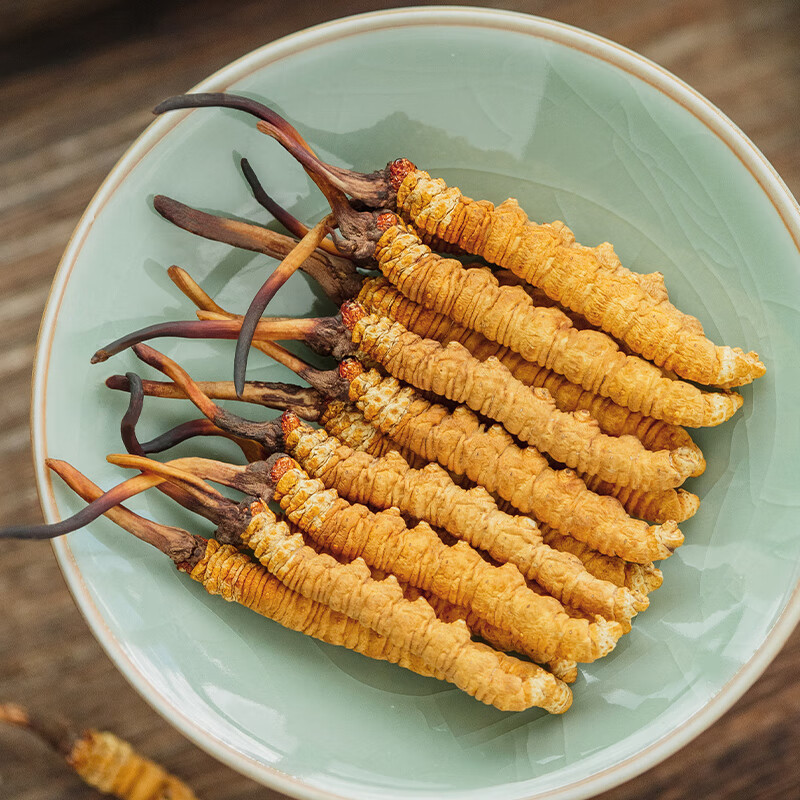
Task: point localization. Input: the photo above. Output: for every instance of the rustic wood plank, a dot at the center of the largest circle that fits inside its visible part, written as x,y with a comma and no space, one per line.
69,114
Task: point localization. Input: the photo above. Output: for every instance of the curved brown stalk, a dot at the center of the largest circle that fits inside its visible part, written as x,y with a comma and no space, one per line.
318,332
289,265
329,382
83,517
336,275
305,402
271,123
289,221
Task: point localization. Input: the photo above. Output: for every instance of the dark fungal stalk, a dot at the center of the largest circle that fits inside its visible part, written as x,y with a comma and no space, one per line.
305,402
378,189
287,267
336,276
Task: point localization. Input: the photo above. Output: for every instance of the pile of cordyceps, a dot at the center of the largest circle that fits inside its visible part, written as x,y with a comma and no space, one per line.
498,454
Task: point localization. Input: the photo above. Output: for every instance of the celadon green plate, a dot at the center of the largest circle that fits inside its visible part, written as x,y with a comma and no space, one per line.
501,105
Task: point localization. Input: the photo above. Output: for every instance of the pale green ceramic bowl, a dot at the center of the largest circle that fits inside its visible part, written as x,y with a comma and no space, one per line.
500,104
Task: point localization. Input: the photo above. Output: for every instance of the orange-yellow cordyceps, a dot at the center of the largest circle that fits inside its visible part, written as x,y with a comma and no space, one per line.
545,336
103,760
471,515
457,573
498,638
489,676
488,388
490,458
382,298
588,280
223,570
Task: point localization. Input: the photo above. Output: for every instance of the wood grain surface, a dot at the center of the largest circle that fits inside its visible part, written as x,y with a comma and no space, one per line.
76,87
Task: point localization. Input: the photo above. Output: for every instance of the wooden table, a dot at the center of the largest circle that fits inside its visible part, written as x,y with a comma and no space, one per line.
77,80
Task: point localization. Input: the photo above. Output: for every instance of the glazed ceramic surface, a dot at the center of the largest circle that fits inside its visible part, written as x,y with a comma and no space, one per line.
501,105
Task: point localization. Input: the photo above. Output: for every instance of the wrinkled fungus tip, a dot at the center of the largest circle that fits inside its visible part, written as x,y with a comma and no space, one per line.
386,220
398,170
289,421
352,312
280,468
350,369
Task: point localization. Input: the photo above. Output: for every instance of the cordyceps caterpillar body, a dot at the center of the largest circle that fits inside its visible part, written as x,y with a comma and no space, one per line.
487,387
589,280
415,555
347,424
104,761
471,515
381,298
628,380
384,300
459,442
314,603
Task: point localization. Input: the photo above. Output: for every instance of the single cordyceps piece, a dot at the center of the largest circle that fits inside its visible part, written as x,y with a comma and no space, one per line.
588,280
471,515
104,761
457,573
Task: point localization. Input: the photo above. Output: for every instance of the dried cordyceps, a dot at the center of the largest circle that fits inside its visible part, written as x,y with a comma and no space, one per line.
541,335
103,760
471,515
382,298
223,570
588,280
498,638
443,649
597,364
488,388
486,674
461,444
457,573
485,386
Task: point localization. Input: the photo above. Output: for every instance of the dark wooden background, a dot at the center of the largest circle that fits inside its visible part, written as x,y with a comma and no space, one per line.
77,80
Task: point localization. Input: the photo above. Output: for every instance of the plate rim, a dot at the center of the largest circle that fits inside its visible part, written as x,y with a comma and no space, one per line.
589,43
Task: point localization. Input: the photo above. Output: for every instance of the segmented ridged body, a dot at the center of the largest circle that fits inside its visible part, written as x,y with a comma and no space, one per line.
458,574
382,298
588,280
486,674
471,515
546,336
522,476
347,424
640,578
488,388
111,765
506,641
654,506
225,571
